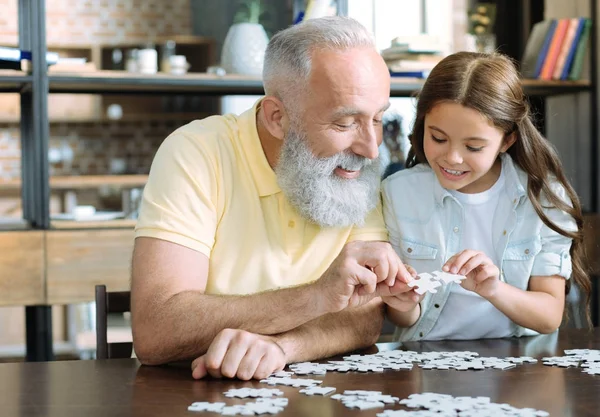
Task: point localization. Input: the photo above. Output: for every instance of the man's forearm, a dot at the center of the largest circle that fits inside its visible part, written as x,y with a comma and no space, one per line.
334,333
183,326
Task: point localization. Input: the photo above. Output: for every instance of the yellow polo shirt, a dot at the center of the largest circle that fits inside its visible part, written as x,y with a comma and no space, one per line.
212,190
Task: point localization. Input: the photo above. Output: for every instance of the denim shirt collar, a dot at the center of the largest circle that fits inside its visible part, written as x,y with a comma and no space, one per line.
516,182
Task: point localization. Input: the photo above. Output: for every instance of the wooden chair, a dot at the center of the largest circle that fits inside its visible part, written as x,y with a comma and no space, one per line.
110,302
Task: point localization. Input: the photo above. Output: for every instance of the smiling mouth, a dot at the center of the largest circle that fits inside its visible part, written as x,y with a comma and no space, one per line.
344,173
453,172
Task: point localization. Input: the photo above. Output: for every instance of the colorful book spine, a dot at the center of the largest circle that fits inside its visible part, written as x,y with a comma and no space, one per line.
577,65
566,47
553,52
573,48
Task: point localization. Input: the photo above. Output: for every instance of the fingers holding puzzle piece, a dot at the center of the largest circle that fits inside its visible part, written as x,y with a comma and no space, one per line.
426,282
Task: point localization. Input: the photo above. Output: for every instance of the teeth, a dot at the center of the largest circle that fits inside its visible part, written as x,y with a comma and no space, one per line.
449,171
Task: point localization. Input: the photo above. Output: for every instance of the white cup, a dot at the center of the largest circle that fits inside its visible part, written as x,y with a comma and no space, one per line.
82,212
148,61
178,64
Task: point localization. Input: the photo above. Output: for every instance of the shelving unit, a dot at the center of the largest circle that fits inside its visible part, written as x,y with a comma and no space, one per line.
36,184
127,83
13,81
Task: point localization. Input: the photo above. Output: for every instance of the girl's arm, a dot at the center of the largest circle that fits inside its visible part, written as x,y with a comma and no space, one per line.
403,319
540,308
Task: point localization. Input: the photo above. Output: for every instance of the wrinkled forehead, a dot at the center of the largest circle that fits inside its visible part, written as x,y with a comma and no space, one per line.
356,78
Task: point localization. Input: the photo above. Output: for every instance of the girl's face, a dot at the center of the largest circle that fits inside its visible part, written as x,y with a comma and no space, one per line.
462,147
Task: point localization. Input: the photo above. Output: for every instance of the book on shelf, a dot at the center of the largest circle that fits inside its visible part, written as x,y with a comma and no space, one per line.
576,67
403,46
572,26
410,73
12,58
412,56
556,49
537,48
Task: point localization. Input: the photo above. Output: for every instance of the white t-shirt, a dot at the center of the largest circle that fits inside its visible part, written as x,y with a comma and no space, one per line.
467,315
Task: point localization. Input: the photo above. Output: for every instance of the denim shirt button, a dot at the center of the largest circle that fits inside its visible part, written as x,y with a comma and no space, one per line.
436,305
409,250
526,251
456,229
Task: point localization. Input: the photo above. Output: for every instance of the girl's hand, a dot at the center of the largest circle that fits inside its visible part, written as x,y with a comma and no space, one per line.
483,277
400,296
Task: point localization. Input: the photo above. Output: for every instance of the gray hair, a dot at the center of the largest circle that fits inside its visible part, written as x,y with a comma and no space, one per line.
288,57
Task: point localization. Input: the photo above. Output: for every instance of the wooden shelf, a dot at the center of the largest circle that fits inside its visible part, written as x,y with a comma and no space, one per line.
101,224
122,82
13,81
155,117
85,182
102,82
555,88
8,223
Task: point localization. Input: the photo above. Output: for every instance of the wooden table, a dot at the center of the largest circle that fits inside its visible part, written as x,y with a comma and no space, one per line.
124,388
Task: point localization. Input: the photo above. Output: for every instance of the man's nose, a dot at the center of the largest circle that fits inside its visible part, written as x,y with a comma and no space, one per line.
367,143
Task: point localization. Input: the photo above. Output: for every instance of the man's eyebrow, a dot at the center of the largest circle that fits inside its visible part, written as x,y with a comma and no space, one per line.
385,107
353,111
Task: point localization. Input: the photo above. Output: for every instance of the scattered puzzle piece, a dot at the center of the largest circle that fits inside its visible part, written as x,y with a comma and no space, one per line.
317,390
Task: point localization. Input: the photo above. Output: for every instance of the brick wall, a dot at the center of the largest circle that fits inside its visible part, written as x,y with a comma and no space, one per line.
92,22
77,22
94,145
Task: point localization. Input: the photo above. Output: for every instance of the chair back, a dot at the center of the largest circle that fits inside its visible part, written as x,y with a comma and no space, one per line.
106,303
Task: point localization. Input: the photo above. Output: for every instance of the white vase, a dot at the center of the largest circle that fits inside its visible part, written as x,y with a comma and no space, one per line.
244,49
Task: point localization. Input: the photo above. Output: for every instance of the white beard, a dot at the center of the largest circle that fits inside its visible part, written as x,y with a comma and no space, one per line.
317,193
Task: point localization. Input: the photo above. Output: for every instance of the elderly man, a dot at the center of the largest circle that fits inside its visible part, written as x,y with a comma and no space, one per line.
260,240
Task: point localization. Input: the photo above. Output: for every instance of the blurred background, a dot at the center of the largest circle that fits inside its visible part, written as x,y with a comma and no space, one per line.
77,140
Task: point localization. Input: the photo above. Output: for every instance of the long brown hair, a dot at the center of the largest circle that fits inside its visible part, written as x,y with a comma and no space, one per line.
490,84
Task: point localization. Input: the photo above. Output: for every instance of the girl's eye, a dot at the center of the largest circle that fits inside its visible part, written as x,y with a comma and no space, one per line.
438,140
472,149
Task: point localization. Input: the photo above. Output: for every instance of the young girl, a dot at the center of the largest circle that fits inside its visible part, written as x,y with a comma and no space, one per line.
484,196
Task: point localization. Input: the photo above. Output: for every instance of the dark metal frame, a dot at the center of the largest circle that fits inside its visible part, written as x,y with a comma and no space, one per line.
595,120
35,134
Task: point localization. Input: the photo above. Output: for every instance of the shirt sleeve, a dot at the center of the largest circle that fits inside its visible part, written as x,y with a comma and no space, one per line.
373,229
179,200
554,258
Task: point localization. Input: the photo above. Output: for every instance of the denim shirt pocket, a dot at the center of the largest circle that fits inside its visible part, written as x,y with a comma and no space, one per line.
518,259
410,249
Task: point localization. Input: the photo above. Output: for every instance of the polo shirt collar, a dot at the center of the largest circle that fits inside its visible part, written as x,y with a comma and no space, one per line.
264,176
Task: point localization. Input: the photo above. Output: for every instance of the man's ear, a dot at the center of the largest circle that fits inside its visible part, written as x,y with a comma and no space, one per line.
275,117
508,142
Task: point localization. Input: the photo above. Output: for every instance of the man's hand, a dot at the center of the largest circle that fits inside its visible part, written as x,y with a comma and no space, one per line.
240,354
400,296
358,273
482,275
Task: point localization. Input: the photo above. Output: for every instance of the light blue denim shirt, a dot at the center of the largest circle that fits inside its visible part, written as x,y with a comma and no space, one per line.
425,224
